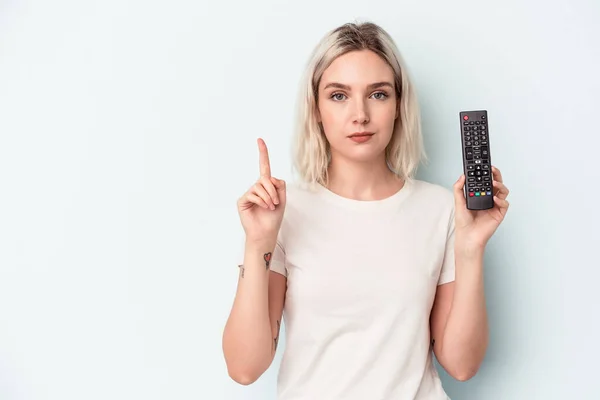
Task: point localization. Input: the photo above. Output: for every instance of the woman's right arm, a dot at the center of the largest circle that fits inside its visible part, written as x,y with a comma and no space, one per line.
252,330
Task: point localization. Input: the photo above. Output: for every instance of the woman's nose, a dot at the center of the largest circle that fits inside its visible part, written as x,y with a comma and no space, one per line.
361,114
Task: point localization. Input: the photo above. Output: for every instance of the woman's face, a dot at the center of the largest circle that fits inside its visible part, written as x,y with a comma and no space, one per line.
357,96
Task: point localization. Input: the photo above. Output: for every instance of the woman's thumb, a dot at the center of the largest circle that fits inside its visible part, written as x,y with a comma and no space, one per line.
280,187
278,183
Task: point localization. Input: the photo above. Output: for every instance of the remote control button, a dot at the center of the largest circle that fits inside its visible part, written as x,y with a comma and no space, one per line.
466,117
471,123
477,194
477,122
483,117
485,173
471,173
468,143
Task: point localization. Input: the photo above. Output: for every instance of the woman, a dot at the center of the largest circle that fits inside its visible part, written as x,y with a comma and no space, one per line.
377,270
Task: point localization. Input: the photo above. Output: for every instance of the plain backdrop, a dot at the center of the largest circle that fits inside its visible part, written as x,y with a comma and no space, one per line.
128,131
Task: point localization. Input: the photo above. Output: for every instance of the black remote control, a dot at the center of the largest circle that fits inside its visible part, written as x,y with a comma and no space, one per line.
477,160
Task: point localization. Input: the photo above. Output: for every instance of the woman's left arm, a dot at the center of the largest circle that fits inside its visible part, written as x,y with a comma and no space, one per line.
459,327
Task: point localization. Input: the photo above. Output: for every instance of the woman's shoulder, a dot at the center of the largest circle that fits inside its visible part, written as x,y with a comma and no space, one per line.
430,187
299,190
432,193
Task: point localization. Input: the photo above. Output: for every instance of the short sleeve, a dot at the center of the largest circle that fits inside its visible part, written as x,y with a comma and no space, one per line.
277,262
448,267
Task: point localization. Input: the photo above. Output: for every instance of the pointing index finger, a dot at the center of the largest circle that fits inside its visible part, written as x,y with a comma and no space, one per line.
264,164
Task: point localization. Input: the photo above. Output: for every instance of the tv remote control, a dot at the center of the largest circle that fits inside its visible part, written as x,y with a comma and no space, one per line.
477,160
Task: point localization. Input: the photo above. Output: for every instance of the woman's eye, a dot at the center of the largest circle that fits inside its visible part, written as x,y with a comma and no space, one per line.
335,96
383,95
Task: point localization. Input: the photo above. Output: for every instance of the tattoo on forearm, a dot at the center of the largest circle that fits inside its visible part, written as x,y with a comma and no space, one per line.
432,342
267,259
242,269
276,339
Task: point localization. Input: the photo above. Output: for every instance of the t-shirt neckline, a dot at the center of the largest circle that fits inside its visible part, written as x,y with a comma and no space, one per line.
369,205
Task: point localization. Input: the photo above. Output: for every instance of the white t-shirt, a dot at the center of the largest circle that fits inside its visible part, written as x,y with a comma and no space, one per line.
361,280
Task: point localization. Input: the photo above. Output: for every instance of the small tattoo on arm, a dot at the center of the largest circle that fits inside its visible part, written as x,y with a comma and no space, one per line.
432,342
242,269
267,259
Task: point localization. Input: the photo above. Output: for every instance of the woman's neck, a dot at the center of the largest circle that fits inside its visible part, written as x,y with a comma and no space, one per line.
362,181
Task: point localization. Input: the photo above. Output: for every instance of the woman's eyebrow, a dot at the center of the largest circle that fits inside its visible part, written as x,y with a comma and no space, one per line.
371,86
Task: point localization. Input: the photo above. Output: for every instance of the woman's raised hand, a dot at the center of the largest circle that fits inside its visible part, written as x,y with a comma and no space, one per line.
261,207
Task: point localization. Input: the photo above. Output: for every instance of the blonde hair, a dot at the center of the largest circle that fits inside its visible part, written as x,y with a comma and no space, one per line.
311,150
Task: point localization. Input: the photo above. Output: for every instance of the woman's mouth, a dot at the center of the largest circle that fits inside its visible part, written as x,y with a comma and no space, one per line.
361,137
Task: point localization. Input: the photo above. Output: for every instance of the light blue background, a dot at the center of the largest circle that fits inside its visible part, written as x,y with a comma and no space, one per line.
127,133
